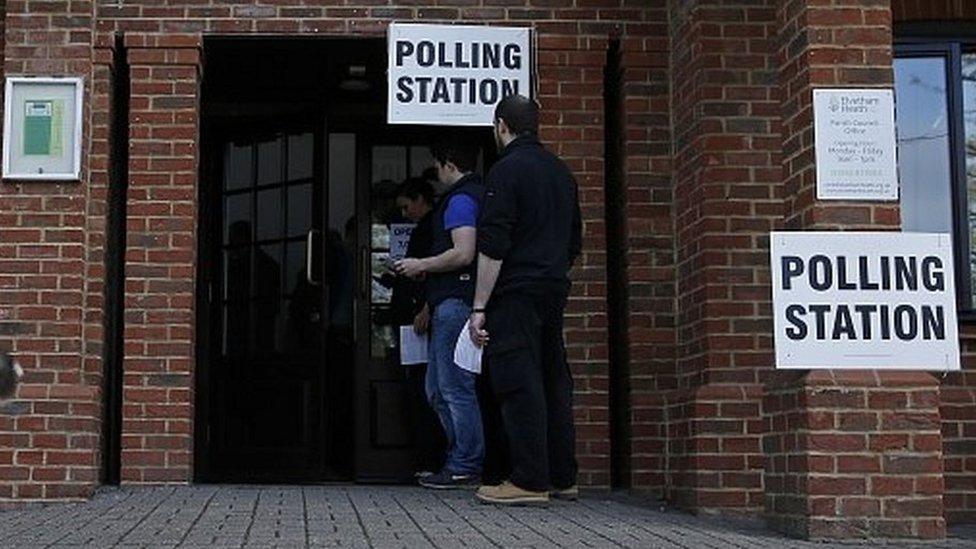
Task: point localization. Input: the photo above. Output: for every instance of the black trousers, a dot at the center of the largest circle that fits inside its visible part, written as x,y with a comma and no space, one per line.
530,378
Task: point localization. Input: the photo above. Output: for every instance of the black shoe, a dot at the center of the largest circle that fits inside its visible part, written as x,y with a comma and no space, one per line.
449,481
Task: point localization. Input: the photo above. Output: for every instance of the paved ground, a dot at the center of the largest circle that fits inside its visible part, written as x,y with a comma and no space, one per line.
366,516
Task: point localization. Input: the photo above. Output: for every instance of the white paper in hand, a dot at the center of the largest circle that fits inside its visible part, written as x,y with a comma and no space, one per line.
467,355
413,347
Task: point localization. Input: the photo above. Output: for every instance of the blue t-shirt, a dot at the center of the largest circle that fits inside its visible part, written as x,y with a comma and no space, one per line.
461,211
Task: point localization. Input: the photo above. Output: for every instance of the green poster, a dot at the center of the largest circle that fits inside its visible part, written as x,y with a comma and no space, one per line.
44,128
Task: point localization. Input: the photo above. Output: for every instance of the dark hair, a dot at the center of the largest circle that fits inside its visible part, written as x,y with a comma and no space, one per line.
457,151
8,376
416,187
520,114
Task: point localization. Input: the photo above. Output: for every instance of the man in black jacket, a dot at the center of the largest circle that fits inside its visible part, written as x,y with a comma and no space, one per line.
529,235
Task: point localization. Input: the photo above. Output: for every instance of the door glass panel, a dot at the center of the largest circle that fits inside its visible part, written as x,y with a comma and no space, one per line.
389,163
238,166
269,162
237,219
299,209
342,180
420,160
267,270
969,119
294,266
921,108
269,214
300,157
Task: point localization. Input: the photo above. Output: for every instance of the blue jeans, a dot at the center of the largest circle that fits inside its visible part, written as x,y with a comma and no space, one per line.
451,391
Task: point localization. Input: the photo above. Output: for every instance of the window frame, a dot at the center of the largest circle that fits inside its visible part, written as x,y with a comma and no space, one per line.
951,48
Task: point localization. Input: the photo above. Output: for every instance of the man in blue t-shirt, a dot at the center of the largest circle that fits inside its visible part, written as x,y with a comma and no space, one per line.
449,271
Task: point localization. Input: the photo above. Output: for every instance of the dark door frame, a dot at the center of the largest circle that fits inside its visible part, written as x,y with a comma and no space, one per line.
208,323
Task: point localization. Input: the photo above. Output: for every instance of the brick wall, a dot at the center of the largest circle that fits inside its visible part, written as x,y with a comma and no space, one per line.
854,454
49,436
572,41
839,458
725,118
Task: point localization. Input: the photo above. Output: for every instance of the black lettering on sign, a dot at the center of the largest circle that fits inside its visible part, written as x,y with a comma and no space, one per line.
404,89
791,267
906,322
865,311
843,324
933,322
821,273
513,56
404,48
933,278
488,92
842,282
820,312
425,53
866,284
906,273
794,314
440,92
510,87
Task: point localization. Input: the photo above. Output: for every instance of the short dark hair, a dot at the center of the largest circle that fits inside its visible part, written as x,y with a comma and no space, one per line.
520,114
416,187
457,151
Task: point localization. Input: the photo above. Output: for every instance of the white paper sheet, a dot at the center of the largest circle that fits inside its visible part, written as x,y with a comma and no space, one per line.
413,346
467,355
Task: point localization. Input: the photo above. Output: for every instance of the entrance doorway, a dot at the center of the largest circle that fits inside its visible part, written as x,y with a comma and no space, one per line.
298,361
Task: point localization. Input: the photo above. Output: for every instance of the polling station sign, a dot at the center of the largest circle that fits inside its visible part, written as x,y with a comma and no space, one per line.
454,75
864,300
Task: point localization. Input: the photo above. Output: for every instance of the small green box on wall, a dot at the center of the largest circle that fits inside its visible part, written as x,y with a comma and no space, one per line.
42,128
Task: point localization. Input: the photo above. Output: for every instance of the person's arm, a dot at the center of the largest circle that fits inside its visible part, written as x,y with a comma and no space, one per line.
488,270
460,218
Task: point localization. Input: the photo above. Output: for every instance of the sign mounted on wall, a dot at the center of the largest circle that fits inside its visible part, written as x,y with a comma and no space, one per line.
42,128
864,300
454,75
854,135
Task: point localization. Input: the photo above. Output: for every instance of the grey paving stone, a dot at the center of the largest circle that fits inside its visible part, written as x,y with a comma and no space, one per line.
376,517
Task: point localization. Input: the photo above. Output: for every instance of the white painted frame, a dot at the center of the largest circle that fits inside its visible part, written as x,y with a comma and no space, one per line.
79,86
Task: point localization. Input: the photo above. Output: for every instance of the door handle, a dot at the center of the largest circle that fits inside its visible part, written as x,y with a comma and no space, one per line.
309,256
366,272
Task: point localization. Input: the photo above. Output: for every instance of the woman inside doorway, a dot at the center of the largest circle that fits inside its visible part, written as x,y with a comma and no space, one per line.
415,200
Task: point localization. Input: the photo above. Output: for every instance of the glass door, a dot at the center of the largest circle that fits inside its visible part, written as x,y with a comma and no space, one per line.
268,382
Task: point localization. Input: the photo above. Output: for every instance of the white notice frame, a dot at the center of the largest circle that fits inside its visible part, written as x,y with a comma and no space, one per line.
20,83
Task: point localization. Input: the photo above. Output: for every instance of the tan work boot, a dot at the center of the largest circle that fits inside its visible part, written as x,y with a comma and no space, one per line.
507,493
567,494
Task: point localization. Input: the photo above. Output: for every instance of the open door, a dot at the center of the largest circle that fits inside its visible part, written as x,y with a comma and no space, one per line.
383,434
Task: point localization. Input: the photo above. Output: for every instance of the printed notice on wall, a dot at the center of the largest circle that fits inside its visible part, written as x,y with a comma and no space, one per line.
864,300
854,134
454,75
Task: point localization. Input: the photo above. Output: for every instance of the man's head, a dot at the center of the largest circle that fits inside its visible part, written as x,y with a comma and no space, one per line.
10,374
415,197
454,158
515,115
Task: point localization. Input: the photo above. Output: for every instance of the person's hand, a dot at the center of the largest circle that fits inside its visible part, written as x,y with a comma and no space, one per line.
409,267
476,329
422,321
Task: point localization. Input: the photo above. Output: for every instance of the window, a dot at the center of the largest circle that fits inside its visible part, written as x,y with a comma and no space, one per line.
935,110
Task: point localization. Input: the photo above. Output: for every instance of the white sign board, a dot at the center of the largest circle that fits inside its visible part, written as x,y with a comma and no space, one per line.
864,300
454,75
854,134
400,240
42,128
